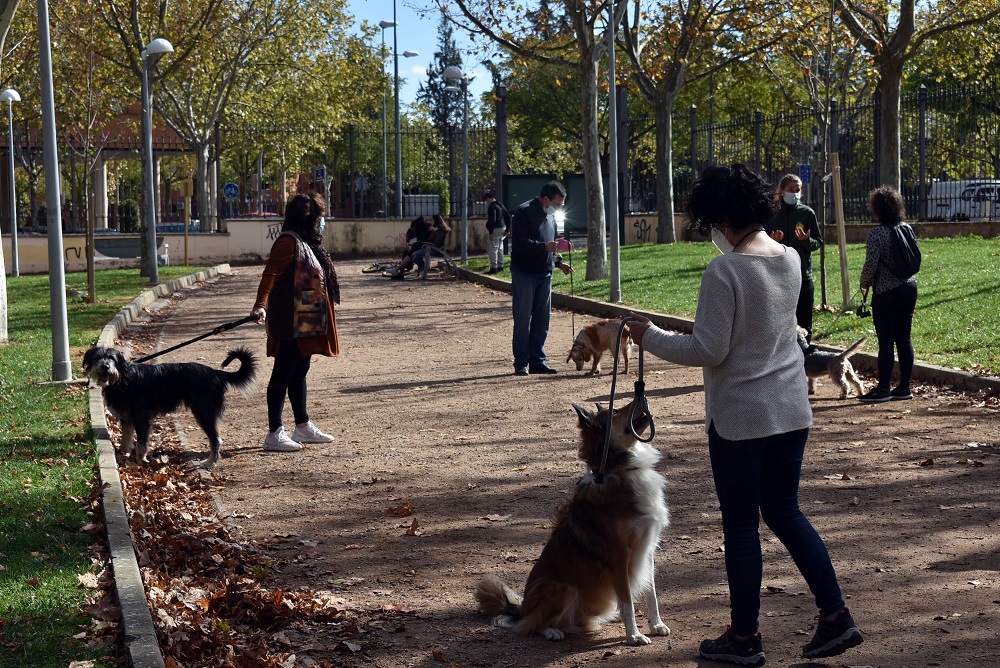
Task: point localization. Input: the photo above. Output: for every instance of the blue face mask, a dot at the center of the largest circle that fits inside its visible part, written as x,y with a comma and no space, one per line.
322,224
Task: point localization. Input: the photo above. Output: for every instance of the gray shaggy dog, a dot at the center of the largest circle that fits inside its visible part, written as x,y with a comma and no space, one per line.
835,365
136,393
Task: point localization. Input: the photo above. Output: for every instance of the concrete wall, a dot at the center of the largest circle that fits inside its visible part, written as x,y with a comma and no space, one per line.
248,240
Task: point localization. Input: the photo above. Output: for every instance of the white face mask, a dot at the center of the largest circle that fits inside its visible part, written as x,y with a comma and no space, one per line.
322,224
720,241
791,198
551,209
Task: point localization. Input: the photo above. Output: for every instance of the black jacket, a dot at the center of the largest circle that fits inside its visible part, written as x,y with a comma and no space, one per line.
787,218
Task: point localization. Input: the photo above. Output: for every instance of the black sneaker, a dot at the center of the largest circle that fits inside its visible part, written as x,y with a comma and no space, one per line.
875,396
900,394
520,371
728,649
541,368
833,638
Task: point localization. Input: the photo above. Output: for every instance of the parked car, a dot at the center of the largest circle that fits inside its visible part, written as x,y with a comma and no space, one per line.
980,201
942,196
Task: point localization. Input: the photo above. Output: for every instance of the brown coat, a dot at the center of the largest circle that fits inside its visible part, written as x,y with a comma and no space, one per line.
280,264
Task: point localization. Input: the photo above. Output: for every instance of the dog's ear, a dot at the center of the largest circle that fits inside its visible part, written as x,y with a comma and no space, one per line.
88,358
586,417
569,355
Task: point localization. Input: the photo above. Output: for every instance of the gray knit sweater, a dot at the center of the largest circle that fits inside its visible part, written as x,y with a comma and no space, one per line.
744,337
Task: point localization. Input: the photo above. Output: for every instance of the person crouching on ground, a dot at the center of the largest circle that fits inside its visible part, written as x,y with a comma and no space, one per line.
757,411
295,297
416,234
532,258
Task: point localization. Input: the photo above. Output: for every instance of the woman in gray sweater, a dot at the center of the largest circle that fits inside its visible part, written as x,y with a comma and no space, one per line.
757,412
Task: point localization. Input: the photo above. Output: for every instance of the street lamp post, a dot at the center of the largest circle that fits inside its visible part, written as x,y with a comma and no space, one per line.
385,162
453,73
153,50
10,96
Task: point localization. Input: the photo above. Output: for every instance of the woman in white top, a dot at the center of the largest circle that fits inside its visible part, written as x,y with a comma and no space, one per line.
757,412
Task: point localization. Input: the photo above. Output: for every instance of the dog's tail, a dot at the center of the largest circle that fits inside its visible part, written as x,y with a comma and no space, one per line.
243,379
496,599
854,347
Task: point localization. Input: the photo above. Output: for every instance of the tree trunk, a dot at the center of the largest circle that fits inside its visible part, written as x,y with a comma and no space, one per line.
200,150
665,169
890,76
597,263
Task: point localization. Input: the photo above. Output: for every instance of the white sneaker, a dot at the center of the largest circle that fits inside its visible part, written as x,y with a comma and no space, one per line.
278,441
310,434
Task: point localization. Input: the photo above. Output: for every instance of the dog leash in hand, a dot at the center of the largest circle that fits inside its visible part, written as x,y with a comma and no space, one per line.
218,330
638,403
842,312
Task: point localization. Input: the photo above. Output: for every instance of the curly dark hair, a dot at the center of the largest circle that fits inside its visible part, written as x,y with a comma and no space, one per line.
886,204
301,215
732,197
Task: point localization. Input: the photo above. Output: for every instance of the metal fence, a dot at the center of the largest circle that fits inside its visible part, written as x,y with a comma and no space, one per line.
950,151
355,167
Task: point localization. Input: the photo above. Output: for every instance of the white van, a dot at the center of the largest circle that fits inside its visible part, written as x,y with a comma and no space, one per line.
943,194
978,201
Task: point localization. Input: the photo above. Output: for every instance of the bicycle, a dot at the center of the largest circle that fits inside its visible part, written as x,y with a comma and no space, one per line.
378,266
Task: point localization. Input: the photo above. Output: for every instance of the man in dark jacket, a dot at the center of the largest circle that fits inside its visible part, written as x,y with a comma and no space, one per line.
533,244
496,226
795,226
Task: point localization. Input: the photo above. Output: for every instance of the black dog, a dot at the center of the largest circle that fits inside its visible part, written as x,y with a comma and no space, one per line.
136,393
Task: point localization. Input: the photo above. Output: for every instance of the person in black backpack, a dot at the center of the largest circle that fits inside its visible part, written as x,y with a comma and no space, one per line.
888,270
498,227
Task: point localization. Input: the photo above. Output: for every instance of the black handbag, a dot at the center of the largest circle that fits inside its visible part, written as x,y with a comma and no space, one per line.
863,311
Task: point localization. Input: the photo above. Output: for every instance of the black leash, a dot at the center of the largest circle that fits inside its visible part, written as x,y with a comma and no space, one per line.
218,330
639,403
842,312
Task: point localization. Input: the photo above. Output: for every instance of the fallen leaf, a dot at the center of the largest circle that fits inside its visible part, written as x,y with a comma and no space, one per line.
414,529
438,654
496,518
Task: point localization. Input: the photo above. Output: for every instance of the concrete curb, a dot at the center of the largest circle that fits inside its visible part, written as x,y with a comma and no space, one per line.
928,373
141,644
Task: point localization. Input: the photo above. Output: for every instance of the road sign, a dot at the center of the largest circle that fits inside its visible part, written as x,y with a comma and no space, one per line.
805,173
321,173
231,191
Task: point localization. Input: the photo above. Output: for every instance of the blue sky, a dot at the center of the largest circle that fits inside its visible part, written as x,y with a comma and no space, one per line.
418,23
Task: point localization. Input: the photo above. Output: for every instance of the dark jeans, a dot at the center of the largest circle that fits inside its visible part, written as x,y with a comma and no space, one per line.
760,478
531,302
892,315
804,307
287,377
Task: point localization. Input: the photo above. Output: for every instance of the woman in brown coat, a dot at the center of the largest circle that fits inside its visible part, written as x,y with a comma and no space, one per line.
297,292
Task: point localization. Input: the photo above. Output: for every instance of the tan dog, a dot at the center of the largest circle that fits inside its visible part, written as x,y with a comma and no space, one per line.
599,558
593,340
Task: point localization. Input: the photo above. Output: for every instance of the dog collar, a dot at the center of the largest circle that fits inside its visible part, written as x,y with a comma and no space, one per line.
577,344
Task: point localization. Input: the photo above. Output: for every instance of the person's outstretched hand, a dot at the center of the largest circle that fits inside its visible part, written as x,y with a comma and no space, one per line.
637,327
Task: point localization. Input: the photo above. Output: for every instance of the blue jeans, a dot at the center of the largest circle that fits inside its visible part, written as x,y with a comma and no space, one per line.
892,315
418,258
760,478
531,301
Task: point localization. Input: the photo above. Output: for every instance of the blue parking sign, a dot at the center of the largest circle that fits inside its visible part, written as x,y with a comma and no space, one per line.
805,173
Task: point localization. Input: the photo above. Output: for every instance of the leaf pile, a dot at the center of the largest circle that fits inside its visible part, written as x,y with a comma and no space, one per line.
206,591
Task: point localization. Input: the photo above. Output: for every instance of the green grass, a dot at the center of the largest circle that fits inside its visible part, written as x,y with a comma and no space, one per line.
47,469
958,310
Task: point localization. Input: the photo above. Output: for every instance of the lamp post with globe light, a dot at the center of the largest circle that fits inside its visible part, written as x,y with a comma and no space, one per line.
149,55
385,162
452,73
10,96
